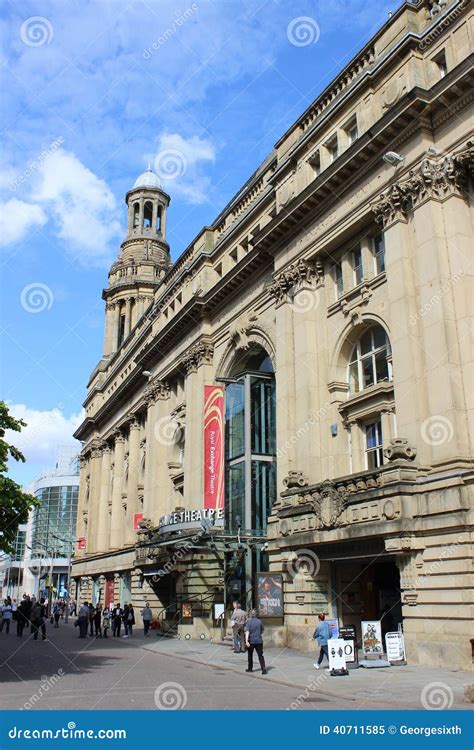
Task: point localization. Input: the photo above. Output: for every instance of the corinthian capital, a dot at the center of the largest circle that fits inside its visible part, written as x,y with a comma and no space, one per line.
157,390
302,274
199,353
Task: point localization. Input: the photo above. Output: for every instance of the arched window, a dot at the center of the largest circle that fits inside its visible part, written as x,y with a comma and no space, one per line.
370,361
148,214
136,215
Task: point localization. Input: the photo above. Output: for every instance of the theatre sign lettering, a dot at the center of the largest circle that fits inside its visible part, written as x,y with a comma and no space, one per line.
190,519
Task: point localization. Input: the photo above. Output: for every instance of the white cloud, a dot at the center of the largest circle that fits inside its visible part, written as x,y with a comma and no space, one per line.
45,432
82,205
180,163
17,218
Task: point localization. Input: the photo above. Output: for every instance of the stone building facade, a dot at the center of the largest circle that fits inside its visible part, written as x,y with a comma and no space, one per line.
331,300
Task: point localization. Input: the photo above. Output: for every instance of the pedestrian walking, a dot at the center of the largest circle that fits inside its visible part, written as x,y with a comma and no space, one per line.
254,641
116,620
6,616
130,619
38,614
22,617
322,634
56,614
105,621
83,620
147,616
98,621
14,609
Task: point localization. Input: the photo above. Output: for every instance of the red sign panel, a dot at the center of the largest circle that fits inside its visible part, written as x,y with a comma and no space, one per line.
213,446
81,542
109,592
137,517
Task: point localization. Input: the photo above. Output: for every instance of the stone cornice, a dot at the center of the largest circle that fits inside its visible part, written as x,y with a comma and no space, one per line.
435,178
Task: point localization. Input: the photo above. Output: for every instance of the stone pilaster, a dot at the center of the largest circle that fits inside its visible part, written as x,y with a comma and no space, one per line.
94,496
132,483
156,468
103,532
116,518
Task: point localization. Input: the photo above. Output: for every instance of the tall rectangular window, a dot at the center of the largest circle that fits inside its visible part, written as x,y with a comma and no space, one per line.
357,265
332,148
316,163
379,253
338,279
234,421
373,444
352,130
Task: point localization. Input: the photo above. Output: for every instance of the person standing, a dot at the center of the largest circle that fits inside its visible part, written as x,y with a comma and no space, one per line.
125,612
38,614
98,621
237,622
83,619
254,640
6,616
322,634
22,617
130,619
56,614
116,620
91,619
105,621
147,616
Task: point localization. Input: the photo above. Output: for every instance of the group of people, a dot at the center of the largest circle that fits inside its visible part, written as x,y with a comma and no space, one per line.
247,629
29,613
99,620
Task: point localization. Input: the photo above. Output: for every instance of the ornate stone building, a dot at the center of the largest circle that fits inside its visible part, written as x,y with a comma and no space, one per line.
331,300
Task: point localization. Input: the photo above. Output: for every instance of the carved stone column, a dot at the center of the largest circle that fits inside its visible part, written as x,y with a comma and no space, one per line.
156,467
94,495
132,484
115,328
116,519
128,320
198,365
104,516
84,483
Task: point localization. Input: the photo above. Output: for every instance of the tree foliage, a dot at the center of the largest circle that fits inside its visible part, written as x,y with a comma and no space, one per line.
14,503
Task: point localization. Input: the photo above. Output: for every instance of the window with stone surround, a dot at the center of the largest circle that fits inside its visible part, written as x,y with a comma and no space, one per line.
373,444
378,246
370,362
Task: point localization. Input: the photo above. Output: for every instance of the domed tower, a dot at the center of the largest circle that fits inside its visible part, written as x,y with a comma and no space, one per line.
143,260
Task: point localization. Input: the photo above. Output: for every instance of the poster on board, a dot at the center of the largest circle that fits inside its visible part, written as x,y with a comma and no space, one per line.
270,594
372,637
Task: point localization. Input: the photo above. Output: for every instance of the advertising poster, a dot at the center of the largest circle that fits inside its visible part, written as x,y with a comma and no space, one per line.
394,646
270,594
137,517
333,627
337,658
372,637
213,447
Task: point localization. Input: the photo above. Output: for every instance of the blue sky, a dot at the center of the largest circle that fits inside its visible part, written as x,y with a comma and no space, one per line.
91,92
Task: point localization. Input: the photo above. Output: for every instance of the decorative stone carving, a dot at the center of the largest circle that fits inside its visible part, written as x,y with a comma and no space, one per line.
435,178
295,479
297,276
118,436
134,424
240,329
157,390
399,448
200,352
328,505
96,448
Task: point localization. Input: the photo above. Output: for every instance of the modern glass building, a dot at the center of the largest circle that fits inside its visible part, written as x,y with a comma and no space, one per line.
54,522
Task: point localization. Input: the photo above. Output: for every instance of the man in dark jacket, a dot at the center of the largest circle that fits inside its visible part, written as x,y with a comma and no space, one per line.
38,614
116,620
254,641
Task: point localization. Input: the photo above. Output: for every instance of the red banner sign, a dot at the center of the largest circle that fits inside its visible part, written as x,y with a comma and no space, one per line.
137,517
81,542
213,446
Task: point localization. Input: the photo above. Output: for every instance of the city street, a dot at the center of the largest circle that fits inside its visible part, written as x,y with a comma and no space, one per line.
64,672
